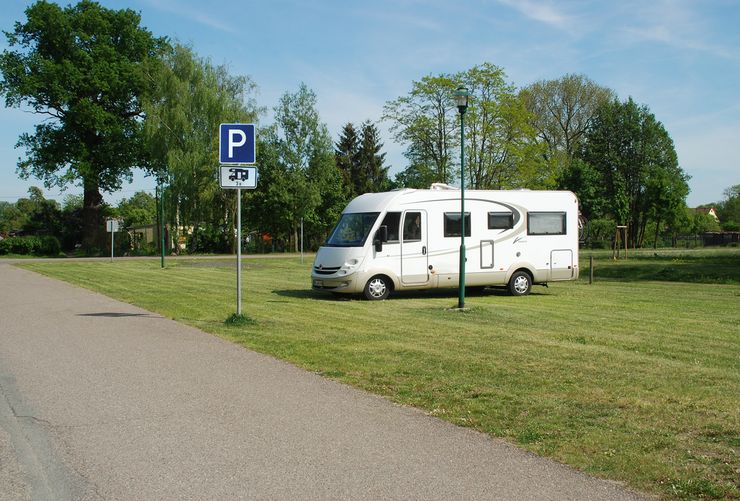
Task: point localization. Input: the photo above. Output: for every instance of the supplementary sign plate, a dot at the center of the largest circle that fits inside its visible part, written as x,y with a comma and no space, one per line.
232,176
111,225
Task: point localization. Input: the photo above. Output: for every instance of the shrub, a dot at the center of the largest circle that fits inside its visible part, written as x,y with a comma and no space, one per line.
20,245
48,246
31,245
210,239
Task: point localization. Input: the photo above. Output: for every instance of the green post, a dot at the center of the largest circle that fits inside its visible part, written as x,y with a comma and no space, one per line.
161,223
461,98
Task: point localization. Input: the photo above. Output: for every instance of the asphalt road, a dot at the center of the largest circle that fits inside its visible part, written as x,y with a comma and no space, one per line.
103,400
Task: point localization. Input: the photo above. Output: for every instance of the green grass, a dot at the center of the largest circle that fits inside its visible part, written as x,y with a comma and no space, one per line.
635,378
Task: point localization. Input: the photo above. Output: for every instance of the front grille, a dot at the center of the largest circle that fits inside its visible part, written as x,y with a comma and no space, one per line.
325,271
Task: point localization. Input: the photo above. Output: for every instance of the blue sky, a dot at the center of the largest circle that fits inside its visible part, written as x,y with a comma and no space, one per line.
680,58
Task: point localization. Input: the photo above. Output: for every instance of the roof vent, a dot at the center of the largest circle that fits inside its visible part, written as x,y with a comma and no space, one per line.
441,186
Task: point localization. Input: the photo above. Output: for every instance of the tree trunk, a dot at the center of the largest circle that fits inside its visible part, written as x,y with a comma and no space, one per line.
93,229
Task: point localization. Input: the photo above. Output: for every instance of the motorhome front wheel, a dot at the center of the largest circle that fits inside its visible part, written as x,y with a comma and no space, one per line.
377,288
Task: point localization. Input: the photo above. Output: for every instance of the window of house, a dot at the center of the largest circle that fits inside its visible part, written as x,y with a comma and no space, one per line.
452,224
546,223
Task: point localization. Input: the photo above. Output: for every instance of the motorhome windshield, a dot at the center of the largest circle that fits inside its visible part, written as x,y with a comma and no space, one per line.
352,230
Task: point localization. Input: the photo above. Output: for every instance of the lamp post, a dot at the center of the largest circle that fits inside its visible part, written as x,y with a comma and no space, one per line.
461,99
160,186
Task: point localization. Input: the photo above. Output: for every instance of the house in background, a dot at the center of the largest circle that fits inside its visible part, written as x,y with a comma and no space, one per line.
709,211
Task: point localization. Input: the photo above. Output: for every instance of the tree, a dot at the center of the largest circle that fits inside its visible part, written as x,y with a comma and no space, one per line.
501,150
500,142
426,121
638,167
43,216
562,111
83,68
728,210
11,218
347,157
190,98
416,175
374,172
585,181
359,159
300,179
140,209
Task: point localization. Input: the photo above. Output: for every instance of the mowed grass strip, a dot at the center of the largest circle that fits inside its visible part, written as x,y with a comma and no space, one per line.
631,380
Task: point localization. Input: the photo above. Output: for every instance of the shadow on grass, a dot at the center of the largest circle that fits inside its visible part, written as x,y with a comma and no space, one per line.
448,293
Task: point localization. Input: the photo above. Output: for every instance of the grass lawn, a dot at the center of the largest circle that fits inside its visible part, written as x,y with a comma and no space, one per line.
635,378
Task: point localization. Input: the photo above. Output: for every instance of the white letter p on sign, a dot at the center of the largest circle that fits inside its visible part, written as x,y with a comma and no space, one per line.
235,144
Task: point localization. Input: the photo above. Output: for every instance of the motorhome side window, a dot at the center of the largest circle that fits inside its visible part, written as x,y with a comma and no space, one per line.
452,224
392,220
412,227
546,223
500,220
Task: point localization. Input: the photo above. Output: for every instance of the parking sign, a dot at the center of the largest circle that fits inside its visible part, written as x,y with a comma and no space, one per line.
236,144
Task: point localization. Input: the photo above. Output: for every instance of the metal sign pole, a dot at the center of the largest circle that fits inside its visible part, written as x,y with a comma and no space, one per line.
111,240
239,251
301,240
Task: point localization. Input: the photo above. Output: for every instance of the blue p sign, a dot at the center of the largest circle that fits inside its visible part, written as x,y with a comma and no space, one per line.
236,144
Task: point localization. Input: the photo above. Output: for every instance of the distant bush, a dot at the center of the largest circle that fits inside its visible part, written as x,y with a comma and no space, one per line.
210,239
49,246
30,245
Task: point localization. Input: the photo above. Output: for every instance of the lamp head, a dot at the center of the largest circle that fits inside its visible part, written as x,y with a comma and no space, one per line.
461,99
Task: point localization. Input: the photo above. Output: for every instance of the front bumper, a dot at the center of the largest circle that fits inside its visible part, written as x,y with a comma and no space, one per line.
335,284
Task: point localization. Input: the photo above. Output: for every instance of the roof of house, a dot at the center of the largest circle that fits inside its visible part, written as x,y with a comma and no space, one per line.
707,210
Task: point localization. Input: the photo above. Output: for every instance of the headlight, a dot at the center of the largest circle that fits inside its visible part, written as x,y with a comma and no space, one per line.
349,266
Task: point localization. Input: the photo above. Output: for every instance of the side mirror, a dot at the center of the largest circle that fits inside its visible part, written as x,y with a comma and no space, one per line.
380,236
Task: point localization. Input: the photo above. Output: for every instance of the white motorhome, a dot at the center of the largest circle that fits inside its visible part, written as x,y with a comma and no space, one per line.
410,239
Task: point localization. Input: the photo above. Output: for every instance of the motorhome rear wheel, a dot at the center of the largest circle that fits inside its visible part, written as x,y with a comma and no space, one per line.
520,283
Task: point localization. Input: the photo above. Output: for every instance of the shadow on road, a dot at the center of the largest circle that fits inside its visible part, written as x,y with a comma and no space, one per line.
113,314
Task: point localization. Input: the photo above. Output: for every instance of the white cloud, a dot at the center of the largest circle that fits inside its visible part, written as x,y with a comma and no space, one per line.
193,14
677,24
543,12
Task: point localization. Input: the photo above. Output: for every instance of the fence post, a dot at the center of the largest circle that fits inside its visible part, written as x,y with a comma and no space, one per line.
590,269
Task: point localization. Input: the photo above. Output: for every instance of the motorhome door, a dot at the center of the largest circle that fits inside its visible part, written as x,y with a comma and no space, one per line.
414,252
561,264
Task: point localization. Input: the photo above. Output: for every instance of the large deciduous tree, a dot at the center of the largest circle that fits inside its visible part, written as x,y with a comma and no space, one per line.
426,121
501,150
191,97
562,110
299,177
638,167
500,141
83,69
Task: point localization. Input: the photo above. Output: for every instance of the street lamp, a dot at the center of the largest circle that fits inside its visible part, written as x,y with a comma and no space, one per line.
461,99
